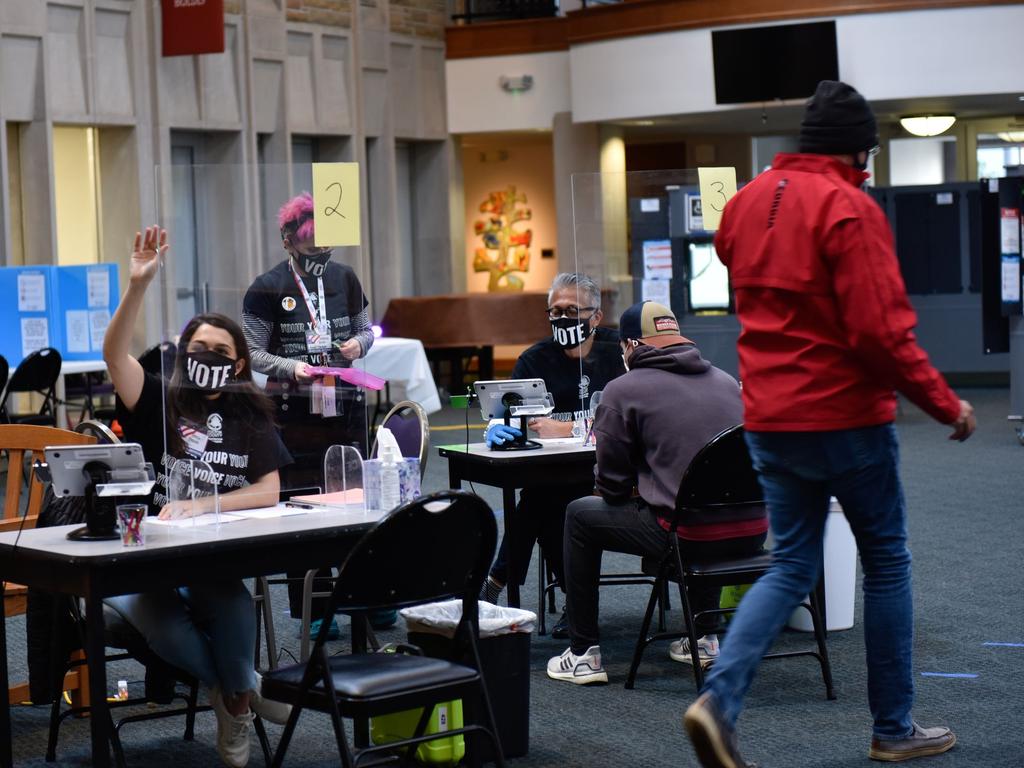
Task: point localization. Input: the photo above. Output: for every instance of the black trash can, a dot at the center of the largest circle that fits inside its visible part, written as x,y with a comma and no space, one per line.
505,663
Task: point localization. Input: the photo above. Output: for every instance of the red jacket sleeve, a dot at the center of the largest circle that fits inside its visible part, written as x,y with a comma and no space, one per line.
876,313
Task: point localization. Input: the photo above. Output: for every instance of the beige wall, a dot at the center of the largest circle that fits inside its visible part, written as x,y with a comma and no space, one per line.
494,165
77,215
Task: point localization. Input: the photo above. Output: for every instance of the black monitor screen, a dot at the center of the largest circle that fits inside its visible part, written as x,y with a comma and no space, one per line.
709,279
768,63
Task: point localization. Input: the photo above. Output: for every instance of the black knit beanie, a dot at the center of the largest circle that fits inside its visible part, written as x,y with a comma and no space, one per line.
837,121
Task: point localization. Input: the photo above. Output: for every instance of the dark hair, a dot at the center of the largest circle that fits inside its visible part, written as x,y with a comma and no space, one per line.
188,402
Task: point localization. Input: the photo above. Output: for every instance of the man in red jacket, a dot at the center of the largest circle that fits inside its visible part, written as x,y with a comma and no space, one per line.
827,339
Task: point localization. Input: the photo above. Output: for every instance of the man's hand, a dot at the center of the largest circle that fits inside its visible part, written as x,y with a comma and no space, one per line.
964,425
302,372
351,349
545,427
147,253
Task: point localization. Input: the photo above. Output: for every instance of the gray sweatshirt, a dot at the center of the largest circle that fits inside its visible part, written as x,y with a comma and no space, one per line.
653,420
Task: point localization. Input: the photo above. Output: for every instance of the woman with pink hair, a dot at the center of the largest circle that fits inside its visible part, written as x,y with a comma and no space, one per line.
308,311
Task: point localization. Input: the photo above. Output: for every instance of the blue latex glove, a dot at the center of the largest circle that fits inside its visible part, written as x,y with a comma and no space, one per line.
499,434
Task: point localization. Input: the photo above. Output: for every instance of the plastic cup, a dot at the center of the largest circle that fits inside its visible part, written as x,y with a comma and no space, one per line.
129,523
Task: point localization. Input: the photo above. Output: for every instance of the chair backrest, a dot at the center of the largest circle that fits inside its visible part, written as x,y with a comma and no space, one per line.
5,371
97,429
408,423
17,440
159,359
720,478
434,548
36,373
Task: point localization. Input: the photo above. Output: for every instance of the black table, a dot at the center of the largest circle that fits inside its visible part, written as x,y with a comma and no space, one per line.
45,559
559,463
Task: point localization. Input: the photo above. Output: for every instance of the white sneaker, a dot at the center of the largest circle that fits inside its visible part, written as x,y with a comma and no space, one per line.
232,733
581,670
268,709
707,650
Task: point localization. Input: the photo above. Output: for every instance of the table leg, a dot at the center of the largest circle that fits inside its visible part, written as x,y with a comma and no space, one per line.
95,652
6,749
61,411
508,500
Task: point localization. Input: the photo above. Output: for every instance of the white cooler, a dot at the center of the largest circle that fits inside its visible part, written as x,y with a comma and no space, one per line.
840,575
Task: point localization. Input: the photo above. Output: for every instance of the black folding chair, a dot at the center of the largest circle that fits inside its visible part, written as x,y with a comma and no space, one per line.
36,373
444,542
719,484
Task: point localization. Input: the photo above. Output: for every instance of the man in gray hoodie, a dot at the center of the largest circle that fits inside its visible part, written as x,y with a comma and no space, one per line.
650,424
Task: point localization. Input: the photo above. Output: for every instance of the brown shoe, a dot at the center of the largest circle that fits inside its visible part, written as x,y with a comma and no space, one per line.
713,738
921,743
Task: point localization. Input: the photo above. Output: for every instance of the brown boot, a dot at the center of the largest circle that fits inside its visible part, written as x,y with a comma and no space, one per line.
713,739
921,743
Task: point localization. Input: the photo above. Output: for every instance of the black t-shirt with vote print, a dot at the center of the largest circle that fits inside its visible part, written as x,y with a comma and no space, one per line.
275,298
562,374
239,449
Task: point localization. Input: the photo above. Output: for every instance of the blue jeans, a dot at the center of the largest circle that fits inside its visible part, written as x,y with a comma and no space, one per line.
799,472
207,630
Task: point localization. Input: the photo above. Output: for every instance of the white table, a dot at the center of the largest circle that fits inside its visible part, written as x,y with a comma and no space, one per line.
404,362
72,366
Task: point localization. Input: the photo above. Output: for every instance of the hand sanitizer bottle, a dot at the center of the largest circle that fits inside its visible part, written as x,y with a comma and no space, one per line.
390,484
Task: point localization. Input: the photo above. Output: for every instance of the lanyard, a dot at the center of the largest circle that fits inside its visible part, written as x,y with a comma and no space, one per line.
305,296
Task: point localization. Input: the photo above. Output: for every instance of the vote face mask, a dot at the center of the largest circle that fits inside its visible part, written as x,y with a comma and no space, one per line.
314,265
569,333
209,370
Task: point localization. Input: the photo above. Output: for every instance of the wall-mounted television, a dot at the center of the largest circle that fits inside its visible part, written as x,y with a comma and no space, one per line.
779,62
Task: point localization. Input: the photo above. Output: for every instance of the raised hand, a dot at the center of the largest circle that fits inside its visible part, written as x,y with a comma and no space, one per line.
147,254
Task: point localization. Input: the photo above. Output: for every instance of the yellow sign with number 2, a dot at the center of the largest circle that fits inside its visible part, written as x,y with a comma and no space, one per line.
336,204
717,186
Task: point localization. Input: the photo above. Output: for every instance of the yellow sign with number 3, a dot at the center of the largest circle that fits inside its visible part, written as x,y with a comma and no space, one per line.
336,204
717,186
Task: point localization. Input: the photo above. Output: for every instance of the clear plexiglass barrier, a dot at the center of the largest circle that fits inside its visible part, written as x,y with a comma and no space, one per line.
257,365
642,236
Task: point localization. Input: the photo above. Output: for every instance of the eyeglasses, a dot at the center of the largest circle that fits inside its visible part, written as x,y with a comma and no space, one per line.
874,150
572,312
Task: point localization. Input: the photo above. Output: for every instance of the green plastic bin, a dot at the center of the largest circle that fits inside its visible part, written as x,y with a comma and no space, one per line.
446,716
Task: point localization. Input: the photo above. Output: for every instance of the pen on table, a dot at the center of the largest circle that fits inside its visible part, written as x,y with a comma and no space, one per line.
298,505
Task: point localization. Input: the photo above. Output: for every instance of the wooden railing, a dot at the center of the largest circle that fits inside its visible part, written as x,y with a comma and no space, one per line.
643,17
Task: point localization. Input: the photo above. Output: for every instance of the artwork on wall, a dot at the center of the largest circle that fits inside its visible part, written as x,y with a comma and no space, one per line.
505,249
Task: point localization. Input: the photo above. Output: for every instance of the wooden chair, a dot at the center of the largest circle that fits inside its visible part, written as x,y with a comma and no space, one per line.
17,440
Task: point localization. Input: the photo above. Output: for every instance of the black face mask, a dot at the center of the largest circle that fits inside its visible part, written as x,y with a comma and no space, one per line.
209,370
569,333
313,265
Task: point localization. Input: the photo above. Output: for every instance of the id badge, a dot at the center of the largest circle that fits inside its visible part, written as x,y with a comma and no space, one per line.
329,401
316,397
318,339
195,439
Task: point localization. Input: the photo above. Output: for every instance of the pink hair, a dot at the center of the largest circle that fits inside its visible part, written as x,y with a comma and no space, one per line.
296,217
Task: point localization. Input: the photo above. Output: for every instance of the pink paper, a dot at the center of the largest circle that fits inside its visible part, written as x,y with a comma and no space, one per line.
353,376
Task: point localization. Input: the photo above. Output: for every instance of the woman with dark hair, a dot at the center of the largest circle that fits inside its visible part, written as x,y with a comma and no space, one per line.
215,413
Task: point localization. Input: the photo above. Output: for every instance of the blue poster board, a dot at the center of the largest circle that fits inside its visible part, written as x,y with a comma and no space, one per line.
85,297
67,308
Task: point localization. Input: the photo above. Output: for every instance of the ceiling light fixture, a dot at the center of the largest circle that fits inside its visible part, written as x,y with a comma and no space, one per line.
927,125
1013,137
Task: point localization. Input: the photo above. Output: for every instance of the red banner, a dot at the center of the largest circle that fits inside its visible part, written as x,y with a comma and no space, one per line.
192,26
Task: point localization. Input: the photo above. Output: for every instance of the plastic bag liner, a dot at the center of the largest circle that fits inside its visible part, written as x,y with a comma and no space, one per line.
442,619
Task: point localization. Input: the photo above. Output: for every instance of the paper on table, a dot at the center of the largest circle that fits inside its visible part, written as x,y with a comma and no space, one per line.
194,522
338,498
353,376
268,513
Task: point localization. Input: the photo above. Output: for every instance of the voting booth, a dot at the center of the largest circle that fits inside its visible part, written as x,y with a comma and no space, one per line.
67,308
